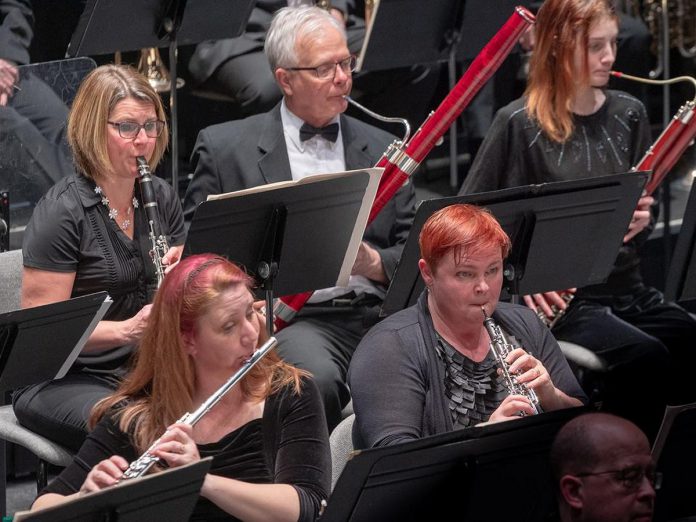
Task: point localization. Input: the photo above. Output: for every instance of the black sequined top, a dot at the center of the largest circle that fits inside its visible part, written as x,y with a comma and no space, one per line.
474,389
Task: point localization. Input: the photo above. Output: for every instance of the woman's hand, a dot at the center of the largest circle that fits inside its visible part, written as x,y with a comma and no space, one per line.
177,447
544,302
172,257
511,408
105,474
530,372
135,326
641,217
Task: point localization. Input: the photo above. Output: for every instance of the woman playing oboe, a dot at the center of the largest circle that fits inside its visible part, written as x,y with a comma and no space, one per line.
90,233
267,435
430,369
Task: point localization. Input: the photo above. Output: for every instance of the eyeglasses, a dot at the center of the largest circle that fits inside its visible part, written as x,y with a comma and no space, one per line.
327,71
130,129
631,477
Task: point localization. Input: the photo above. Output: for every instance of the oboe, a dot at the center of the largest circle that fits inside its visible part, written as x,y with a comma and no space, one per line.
158,240
143,464
501,348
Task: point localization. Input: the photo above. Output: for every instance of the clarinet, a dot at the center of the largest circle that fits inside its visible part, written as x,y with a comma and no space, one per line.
158,240
143,464
501,348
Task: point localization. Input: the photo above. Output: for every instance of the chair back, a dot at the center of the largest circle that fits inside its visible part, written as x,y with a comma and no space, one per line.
341,442
10,280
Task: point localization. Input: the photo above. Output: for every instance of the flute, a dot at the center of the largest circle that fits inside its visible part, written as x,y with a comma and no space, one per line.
143,464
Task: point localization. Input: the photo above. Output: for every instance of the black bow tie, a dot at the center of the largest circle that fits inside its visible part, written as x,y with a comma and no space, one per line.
330,132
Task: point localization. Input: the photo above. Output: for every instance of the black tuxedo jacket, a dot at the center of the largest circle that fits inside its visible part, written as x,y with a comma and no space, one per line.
246,153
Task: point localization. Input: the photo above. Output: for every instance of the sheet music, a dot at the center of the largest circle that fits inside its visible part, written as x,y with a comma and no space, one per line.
361,222
80,344
671,413
368,32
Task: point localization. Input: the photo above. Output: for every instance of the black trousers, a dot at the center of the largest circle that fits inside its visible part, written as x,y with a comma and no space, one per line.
647,345
322,340
59,410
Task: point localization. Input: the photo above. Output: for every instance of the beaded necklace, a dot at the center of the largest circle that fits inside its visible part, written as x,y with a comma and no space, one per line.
113,213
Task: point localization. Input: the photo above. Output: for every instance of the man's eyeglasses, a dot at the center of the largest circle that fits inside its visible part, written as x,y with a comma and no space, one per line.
630,478
130,129
327,71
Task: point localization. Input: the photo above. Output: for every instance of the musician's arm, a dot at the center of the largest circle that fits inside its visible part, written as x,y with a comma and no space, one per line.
388,233
206,175
104,441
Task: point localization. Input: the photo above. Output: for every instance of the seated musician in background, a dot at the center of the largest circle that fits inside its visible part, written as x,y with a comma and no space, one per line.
90,233
307,50
32,116
431,368
569,126
237,67
267,435
603,470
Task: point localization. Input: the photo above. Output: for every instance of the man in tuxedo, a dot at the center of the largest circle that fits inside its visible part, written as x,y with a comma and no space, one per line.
236,67
303,135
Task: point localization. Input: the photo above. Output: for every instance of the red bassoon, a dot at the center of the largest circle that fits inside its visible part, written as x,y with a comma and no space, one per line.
401,160
672,142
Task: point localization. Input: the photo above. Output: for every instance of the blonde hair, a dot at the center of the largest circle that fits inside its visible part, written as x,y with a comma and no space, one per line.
562,26
96,98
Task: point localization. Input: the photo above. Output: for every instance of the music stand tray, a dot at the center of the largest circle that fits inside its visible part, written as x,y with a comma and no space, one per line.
170,495
681,278
459,472
390,43
564,234
313,239
106,26
41,343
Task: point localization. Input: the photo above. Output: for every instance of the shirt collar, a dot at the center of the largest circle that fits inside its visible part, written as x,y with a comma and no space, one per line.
292,124
85,187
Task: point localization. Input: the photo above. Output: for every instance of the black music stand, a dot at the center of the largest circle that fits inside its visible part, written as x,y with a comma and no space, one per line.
26,357
681,279
675,457
293,236
170,495
124,25
446,30
462,472
564,234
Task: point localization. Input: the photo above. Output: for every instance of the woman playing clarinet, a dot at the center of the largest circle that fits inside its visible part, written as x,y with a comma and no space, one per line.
89,233
267,435
569,125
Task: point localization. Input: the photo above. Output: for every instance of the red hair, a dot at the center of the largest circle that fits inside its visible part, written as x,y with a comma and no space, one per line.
562,26
460,229
160,386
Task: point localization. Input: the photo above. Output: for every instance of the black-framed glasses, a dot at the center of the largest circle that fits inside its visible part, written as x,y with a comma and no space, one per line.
130,129
327,71
631,477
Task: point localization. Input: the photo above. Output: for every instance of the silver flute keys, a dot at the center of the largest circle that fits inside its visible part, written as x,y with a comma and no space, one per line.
501,348
142,465
158,241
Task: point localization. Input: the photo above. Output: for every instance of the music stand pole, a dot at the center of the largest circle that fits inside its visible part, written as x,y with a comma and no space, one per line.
170,26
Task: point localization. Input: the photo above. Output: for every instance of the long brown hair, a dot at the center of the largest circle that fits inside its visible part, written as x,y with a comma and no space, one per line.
562,26
159,389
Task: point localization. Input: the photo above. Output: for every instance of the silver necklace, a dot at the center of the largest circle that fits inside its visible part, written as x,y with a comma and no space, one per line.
113,213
